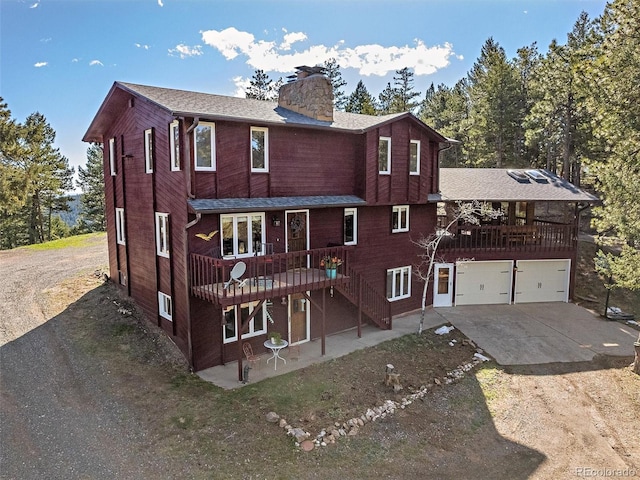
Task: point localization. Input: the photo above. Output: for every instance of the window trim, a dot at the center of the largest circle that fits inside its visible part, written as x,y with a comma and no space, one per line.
249,251
417,170
148,150
163,301
252,332
174,149
120,227
162,235
387,171
348,211
112,156
399,209
399,271
265,169
212,167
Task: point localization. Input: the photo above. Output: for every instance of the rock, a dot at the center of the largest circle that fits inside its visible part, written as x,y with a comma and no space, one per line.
283,423
299,434
353,431
307,445
335,433
272,417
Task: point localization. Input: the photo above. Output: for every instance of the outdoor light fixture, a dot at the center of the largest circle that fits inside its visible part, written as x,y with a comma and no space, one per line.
275,220
283,300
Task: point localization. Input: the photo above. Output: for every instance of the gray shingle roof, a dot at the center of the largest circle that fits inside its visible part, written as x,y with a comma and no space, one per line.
207,105
231,205
496,184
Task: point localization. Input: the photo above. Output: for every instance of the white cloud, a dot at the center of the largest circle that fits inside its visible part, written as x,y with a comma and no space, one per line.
75,60
40,64
242,85
45,40
370,59
145,47
35,5
160,3
184,51
93,63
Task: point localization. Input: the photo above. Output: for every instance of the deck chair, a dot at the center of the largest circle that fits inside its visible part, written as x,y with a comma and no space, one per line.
248,353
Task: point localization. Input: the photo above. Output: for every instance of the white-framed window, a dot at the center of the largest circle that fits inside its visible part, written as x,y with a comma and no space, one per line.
204,141
350,226
414,157
398,283
259,149
112,156
174,143
384,155
162,234
242,234
257,326
165,306
400,218
120,226
148,150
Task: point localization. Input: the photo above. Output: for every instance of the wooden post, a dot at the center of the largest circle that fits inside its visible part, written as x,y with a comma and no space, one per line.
239,336
359,307
324,295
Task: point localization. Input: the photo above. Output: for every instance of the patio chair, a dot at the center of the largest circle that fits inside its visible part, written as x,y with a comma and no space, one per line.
248,352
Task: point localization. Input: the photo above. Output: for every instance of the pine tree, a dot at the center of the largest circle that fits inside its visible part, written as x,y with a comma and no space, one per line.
361,101
332,71
385,100
91,181
404,97
261,87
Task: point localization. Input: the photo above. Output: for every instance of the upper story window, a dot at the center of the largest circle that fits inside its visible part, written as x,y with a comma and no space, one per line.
204,137
242,234
112,155
257,326
259,149
174,143
148,150
414,157
384,155
162,234
165,306
400,219
398,283
350,226
120,226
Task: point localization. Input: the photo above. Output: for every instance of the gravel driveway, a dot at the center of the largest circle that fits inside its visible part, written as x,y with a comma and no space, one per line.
57,421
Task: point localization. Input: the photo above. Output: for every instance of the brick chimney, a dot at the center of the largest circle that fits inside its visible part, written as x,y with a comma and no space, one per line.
308,92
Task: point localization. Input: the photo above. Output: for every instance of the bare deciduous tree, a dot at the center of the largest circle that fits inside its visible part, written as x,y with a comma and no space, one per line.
468,212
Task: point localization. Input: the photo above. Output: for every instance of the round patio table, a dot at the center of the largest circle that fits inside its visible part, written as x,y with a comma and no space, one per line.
275,349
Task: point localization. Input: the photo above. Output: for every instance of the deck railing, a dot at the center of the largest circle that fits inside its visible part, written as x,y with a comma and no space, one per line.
539,237
266,276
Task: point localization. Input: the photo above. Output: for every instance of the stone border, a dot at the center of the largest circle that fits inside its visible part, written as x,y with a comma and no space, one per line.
352,426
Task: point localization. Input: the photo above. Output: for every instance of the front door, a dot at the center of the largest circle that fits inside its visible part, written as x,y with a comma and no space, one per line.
297,236
299,310
443,284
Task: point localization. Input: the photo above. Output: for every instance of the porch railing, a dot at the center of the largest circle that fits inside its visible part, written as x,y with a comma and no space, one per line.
266,276
539,237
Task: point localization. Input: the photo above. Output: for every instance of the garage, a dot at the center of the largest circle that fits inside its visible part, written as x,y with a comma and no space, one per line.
483,282
542,281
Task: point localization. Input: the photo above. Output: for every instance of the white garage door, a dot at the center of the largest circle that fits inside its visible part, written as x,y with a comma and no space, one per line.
483,283
542,281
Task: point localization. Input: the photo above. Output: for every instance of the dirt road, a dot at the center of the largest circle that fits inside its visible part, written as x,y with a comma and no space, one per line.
57,421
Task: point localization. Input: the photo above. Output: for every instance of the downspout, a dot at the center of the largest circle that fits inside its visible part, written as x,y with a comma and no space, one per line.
185,240
188,281
448,144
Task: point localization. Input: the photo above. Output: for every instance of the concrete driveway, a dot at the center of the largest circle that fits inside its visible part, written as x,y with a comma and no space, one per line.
534,333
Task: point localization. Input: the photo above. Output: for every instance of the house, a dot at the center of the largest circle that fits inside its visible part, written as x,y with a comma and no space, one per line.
224,214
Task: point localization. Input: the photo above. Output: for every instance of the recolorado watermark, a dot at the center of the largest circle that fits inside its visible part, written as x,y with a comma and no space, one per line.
589,472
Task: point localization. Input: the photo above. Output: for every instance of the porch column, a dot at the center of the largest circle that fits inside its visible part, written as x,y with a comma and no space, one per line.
324,294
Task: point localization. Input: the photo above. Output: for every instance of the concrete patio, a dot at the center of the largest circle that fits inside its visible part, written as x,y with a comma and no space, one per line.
522,334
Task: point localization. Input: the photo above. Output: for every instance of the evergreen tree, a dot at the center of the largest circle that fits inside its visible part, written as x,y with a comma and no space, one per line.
332,71
404,97
495,108
361,101
612,76
261,87
385,100
91,181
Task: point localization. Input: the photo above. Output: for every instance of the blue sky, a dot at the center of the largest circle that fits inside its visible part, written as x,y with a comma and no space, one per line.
60,57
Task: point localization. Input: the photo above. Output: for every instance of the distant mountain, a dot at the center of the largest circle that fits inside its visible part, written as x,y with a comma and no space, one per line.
71,217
